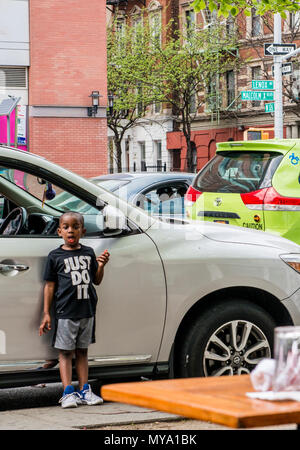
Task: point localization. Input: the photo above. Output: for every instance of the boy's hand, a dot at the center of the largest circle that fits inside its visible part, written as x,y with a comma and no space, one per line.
103,258
45,325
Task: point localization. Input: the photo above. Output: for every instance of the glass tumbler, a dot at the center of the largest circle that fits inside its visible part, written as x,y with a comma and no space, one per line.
287,357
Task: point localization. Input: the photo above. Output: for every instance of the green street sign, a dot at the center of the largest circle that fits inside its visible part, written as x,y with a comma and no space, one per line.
257,95
262,84
269,107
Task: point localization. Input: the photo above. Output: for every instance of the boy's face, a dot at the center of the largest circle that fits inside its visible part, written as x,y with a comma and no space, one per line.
71,230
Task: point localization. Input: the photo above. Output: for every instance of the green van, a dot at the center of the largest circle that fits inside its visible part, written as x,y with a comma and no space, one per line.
252,184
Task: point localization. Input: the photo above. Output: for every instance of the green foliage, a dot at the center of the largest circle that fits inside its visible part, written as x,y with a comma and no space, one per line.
225,7
175,70
130,62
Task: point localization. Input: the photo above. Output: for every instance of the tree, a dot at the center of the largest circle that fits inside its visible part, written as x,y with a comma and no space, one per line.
130,63
187,63
233,7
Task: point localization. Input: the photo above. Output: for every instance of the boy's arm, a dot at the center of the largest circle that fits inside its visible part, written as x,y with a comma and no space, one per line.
102,260
49,290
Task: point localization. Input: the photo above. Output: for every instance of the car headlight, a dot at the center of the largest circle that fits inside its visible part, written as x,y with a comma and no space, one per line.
293,260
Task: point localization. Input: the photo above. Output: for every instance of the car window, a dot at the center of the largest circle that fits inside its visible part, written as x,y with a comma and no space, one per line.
55,197
1,206
238,172
170,207
153,200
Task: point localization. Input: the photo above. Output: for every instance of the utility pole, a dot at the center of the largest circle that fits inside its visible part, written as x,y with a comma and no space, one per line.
278,113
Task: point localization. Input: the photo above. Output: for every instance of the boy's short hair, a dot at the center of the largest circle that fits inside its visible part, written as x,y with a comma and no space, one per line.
74,214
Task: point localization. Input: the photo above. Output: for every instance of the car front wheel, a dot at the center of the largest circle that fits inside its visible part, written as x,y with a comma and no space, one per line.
228,339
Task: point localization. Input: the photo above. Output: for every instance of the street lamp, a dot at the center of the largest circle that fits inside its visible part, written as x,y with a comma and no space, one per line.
92,110
110,103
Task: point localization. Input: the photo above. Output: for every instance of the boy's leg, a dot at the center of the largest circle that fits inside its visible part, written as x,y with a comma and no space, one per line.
65,367
82,366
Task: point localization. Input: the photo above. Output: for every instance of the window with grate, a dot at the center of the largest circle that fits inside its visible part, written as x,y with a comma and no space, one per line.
256,75
13,77
230,84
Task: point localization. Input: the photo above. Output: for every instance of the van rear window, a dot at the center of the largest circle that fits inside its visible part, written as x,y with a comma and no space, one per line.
238,172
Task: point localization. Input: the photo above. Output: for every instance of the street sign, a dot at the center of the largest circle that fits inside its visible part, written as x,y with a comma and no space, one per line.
257,95
278,49
286,69
262,84
269,107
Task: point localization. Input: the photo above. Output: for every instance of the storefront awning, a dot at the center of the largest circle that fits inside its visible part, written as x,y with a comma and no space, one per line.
8,105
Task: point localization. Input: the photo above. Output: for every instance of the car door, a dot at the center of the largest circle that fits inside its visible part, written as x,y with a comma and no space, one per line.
132,296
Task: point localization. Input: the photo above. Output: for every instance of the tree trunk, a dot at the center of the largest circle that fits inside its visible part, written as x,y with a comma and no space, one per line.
118,154
189,154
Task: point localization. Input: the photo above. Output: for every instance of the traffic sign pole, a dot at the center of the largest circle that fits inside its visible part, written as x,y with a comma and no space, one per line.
278,113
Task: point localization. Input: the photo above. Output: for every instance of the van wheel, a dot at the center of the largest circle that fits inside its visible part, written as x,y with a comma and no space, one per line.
228,339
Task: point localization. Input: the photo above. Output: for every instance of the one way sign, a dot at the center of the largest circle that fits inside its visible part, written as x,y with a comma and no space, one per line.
278,49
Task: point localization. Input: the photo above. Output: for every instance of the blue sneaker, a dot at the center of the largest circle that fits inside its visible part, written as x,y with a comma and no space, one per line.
87,397
69,398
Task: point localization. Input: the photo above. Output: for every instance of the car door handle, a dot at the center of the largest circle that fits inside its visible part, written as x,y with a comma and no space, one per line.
11,267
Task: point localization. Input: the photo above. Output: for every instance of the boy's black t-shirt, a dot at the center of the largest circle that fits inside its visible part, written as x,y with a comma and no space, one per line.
74,272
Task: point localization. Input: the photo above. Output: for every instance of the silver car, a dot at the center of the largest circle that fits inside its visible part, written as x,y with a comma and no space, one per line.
178,299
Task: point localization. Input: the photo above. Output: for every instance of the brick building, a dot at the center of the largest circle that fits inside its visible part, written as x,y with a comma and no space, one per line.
228,117
53,55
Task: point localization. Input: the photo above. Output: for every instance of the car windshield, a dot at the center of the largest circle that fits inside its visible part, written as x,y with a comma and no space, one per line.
47,193
238,172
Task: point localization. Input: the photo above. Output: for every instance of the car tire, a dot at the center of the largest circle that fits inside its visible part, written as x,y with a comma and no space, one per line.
229,338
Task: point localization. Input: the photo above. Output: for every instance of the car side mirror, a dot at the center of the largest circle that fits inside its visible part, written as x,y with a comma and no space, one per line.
114,219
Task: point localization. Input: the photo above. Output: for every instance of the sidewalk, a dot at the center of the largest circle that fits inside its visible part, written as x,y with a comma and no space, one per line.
26,411
108,416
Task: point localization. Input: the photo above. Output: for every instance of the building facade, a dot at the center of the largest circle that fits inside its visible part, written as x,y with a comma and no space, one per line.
227,117
144,146
52,57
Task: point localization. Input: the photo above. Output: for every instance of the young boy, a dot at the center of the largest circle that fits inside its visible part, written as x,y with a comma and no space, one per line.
70,272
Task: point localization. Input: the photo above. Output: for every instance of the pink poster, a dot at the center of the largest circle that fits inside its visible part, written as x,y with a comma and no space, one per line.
21,138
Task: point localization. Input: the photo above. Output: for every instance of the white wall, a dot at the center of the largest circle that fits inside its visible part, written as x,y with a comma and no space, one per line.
14,33
147,132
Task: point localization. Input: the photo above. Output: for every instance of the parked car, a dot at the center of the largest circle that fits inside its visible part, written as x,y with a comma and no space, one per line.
252,184
188,299
158,193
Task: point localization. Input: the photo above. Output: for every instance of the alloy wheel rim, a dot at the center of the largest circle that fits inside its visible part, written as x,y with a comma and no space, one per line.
235,348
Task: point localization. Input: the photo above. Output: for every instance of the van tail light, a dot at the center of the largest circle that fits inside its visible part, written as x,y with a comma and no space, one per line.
254,199
269,200
275,202
191,196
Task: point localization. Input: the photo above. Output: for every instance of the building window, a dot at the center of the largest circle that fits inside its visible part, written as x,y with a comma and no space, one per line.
295,21
209,17
212,98
192,103
127,159
230,26
137,23
156,107
189,23
256,24
230,84
158,156
143,156
256,75
140,106
155,26
194,157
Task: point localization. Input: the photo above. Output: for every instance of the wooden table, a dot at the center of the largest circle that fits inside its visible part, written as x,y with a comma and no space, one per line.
220,400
